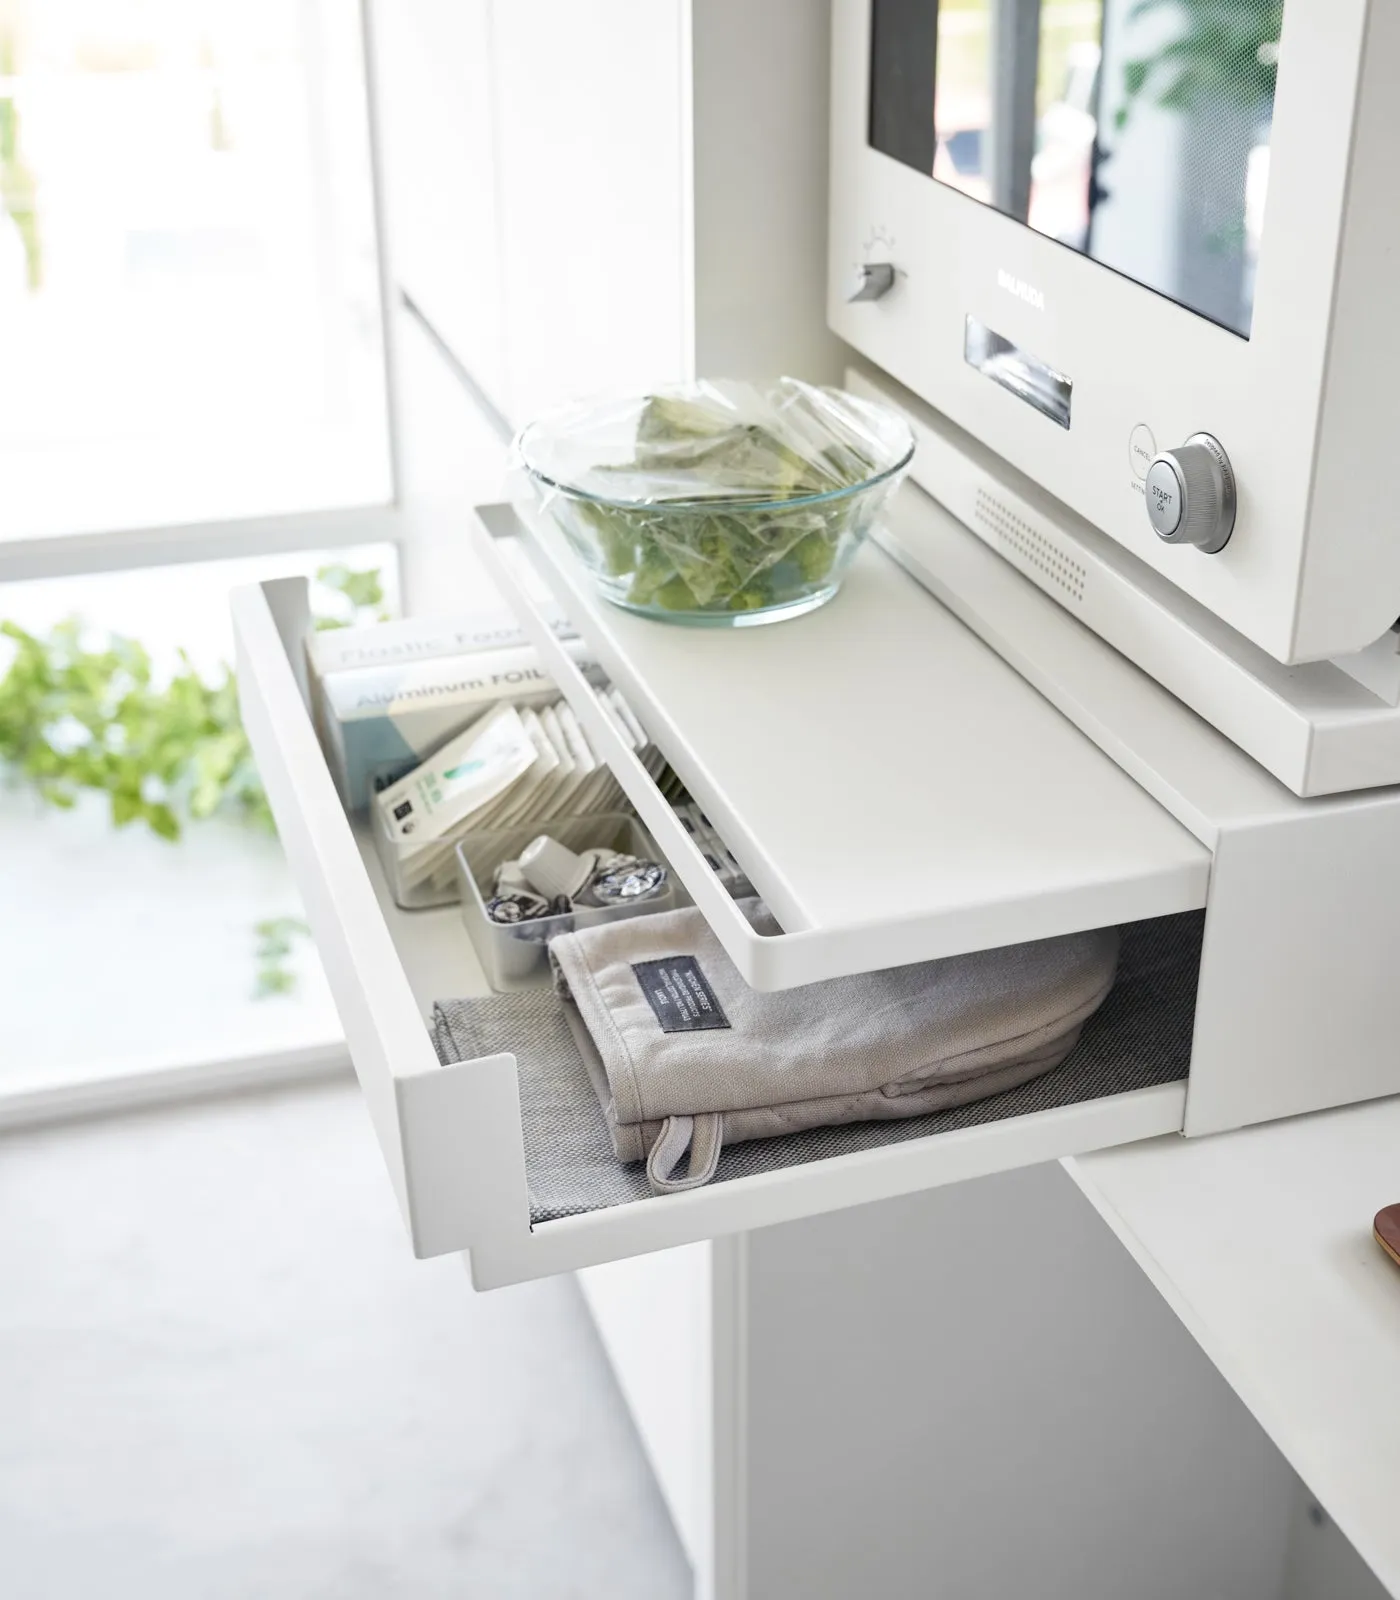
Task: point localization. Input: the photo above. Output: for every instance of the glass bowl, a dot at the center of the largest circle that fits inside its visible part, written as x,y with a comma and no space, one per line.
717,504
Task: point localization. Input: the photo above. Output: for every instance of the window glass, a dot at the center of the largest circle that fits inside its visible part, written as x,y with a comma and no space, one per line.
1134,131
175,935
189,302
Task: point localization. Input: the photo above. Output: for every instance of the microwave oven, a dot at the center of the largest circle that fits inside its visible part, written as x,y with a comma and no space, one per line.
1145,251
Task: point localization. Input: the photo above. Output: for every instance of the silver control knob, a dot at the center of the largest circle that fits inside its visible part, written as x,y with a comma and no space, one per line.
1191,494
870,280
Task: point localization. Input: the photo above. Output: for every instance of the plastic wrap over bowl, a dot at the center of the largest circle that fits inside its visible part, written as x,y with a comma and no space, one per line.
717,503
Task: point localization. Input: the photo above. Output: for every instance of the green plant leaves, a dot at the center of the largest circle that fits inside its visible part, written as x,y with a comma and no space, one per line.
276,937
83,710
80,709
362,592
1225,50
81,714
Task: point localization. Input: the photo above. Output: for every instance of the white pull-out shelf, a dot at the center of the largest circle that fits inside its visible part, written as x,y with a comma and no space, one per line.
894,790
471,1171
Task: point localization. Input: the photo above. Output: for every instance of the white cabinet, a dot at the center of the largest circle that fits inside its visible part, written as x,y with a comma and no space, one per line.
656,1317
1261,1243
970,1393
593,158
611,193
1291,889
436,101
587,196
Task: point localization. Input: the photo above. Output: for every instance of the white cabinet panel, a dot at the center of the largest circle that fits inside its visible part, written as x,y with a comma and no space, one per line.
1260,1241
434,78
654,1316
593,174
966,1396
588,196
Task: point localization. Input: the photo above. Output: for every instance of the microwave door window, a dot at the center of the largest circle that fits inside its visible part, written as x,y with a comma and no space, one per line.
1133,131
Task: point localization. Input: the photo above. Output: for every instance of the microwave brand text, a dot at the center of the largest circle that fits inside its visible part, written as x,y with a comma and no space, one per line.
1020,288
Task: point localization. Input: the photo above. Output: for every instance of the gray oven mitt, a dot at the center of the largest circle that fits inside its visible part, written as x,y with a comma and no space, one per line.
683,1054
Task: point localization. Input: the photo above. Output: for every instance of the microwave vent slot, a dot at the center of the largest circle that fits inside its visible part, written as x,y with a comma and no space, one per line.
1028,548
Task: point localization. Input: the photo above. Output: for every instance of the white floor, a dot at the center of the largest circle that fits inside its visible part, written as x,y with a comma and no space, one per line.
222,1375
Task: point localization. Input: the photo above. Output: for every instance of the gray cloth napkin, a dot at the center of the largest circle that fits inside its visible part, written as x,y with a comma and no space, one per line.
684,1055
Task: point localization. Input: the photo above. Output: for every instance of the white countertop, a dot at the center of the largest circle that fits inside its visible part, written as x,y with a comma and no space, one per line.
1261,1242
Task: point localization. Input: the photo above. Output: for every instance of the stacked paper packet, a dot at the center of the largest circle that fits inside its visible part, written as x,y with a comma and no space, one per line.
387,696
405,639
517,767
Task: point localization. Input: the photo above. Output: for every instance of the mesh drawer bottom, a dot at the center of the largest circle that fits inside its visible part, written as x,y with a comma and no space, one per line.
1140,1037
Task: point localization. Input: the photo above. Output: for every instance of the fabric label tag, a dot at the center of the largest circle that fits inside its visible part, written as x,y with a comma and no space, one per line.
678,993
